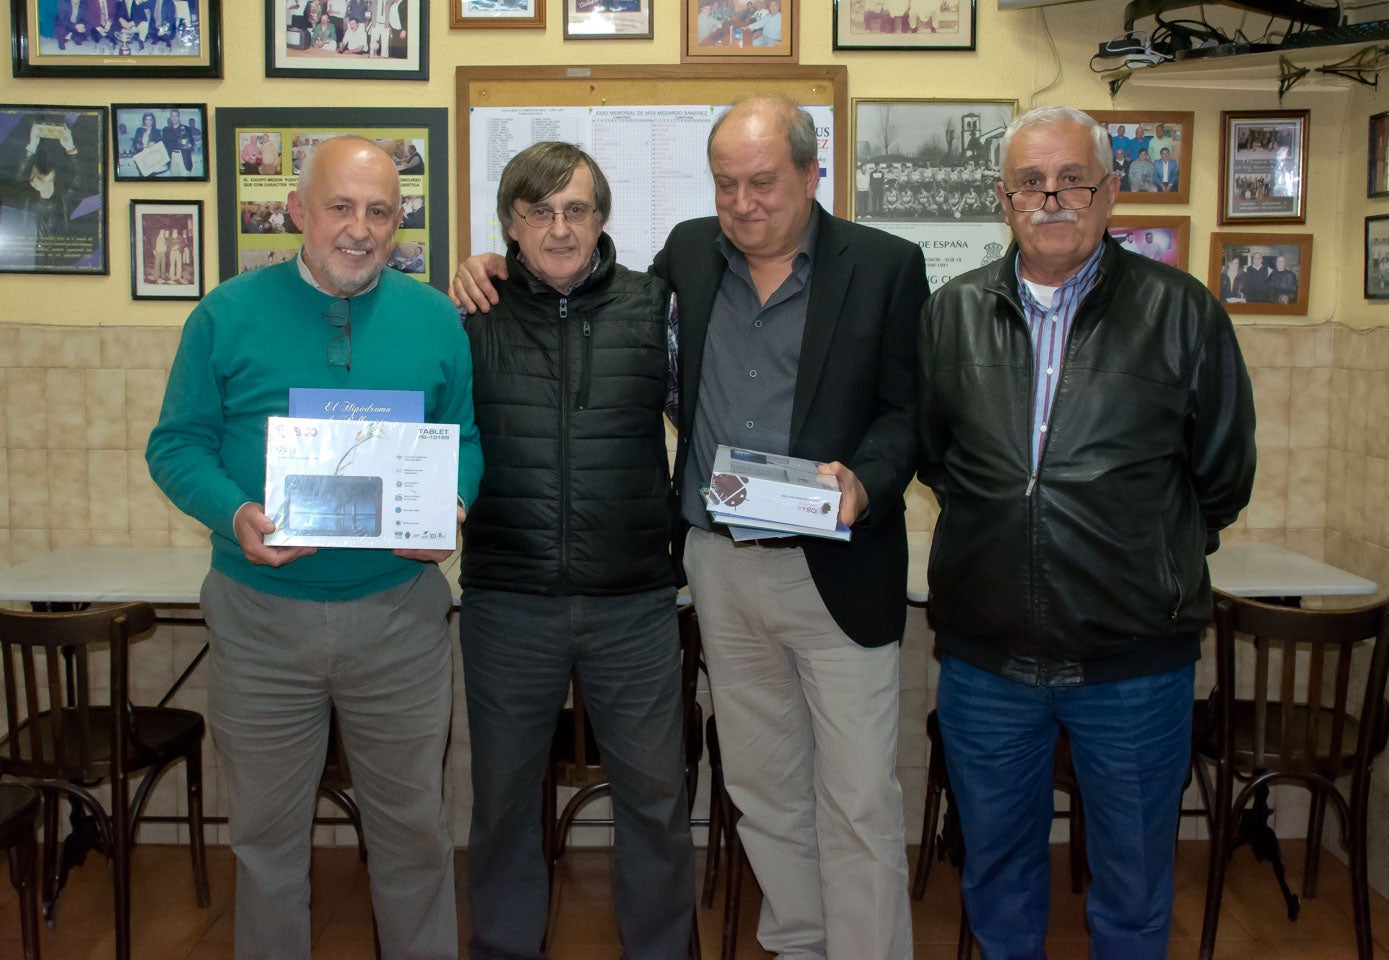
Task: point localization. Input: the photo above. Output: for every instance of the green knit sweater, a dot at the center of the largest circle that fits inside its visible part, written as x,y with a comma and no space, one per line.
243,347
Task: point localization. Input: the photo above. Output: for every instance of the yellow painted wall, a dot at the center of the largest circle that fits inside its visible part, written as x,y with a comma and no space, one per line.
1034,56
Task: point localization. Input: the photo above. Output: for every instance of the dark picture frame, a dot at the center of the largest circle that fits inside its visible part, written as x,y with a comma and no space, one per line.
166,249
1263,166
608,19
185,41
497,14
1164,239
142,153
259,155
293,48
1377,165
927,25
743,38
1135,130
1377,257
1245,291
53,195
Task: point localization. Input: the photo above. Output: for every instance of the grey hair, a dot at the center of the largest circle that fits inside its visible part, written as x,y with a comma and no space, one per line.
540,170
1044,116
796,124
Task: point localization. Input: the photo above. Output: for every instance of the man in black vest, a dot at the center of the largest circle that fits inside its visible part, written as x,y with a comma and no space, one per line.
566,562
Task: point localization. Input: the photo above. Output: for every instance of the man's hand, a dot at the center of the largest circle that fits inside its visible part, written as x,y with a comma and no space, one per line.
472,287
853,499
251,526
433,556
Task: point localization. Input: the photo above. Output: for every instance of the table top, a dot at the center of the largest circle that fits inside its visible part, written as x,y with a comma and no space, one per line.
1248,569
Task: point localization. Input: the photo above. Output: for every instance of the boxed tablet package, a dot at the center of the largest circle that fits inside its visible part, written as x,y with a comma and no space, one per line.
752,489
361,483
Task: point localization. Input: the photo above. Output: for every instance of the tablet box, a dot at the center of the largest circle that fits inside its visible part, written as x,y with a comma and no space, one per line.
365,484
772,487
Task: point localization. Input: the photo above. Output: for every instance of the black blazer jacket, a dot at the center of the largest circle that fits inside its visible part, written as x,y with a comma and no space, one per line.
855,391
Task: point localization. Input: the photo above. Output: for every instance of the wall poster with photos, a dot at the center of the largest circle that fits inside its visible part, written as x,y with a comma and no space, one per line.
166,249
761,30
318,38
163,38
53,195
1377,257
261,151
1263,166
925,170
1152,153
909,25
1164,239
159,141
1261,272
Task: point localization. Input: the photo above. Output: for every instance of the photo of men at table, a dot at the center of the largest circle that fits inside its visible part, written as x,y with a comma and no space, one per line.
904,16
1266,273
347,29
265,216
740,23
1147,155
160,142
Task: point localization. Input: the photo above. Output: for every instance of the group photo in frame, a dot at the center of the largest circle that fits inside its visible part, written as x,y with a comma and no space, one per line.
732,31
925,170
608,19
159,141
1263,166
1377,173
1377,257
116,38
53,191
904,24
1152,153
261,152
496,14
1164,239
355,40
166,249
1261,272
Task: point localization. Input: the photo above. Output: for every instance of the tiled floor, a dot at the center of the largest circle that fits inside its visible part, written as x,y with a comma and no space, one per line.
169,926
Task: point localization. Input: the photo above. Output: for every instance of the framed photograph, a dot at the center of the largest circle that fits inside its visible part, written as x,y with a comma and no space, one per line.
1261,272
925,170
116,38
733,31
496,14
1163,239
1377,257
159,141
53,199
166,249
352,40
1152,153
607,19
1263,164
260,153
1378,173
922,25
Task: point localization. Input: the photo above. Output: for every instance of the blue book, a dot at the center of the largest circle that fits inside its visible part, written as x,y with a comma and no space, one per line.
399,406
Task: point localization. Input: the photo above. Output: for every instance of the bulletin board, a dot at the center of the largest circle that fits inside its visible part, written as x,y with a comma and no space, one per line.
646,127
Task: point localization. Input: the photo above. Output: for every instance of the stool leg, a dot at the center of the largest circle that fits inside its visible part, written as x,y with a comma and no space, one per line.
733,894
24,874
935,778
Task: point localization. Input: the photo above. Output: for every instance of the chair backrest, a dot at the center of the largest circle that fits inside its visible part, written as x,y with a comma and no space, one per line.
1304,717
55,729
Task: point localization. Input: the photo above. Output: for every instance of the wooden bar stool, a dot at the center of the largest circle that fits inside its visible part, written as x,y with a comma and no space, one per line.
19,815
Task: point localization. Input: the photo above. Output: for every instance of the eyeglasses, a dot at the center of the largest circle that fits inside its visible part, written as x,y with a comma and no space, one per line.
1067,198
575,214
339,317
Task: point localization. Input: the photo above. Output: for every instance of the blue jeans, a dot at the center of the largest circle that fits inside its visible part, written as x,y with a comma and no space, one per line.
1131,744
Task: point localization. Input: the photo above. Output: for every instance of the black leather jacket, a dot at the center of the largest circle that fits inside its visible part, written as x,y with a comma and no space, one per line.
1092,567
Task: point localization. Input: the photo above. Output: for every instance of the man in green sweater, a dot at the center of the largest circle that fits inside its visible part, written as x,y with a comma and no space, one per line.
296,631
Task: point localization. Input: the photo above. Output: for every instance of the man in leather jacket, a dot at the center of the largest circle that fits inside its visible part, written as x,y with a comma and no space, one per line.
1087,425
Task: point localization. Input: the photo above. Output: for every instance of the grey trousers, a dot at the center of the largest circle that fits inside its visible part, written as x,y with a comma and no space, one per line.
517,654
384,661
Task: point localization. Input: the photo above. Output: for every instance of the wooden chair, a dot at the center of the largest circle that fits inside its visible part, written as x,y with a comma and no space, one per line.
19,814
1304,725
62,740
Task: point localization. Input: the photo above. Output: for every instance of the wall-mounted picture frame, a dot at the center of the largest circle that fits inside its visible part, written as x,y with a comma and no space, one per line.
925,170
1138,139
261,151
497,14
1377,257
355,40
1263,166
166,249
1261,272
608,19
53,192
735,31
1377,174
904,25
116,38
162,142
1164,239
